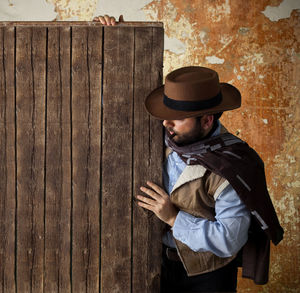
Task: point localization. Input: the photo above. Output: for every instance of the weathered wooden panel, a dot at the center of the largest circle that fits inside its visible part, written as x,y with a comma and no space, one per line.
76,144
30,150
86,136
117,159
148,73
7,160
58,163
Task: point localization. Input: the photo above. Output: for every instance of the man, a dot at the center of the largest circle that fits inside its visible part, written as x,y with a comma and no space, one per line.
207,216
212,182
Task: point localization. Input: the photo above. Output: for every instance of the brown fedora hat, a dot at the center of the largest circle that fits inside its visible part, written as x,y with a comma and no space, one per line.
192,91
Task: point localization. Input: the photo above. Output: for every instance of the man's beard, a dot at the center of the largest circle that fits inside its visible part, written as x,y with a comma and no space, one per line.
196,134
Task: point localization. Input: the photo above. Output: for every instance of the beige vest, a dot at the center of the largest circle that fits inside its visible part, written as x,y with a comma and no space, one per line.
195,192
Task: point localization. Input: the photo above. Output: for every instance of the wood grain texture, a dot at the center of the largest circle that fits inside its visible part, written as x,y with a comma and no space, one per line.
7,160
117,160
155,159
30,103
148,151
76,144
58,163
86,137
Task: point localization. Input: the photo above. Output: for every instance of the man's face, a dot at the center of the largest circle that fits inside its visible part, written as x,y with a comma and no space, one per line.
185,131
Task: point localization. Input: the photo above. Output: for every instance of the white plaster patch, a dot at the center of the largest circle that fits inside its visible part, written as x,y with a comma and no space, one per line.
282,11
174,45
214,60
29,10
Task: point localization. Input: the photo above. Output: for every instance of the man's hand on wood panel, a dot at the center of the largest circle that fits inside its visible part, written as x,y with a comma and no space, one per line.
108,20
159,203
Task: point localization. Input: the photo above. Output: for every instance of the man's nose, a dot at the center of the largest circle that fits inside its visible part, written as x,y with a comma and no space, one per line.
168,123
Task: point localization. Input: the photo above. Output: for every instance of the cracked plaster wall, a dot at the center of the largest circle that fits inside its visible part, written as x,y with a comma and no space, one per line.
254,45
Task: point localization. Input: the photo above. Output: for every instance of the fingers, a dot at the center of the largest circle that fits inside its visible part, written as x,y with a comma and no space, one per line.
99,18
159,203
105,20
146,206
146,203
157,188
146,200
151,193
108,20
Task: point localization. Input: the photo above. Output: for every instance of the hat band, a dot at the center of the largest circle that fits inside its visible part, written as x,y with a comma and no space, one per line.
192,105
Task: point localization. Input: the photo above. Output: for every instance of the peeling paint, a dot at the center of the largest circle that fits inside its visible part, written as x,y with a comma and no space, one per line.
131,10
265,121
203,35
287,204
74,10
214,60
217,12
174,45
179,32
244,30
29,10
282,11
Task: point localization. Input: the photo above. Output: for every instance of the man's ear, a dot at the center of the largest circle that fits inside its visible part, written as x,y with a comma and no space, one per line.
207,121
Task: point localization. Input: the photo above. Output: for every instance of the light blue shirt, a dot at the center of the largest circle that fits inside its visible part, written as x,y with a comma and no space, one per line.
223,237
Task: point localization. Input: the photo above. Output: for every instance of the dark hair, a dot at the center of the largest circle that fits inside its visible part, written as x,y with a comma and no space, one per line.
216,116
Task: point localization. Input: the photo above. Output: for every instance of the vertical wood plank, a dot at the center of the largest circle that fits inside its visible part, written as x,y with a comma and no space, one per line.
58,163
30,103
86,137
117,160
156,157
7,160
148,151
61,180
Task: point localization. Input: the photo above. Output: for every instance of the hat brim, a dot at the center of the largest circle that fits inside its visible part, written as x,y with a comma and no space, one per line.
231,99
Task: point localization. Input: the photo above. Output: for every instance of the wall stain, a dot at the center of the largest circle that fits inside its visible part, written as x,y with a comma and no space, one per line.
74,9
